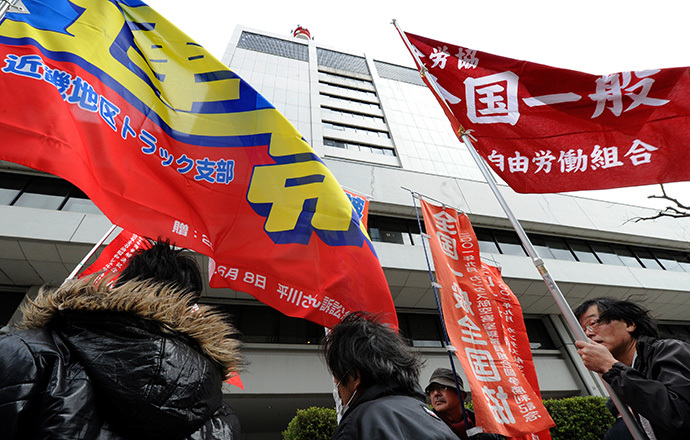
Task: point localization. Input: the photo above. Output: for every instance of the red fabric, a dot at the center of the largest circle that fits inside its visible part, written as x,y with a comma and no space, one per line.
544,129
113,259
361,205
234,379
504,400
168,142
515,333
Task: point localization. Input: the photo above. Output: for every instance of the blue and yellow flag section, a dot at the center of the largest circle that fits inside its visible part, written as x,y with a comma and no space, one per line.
166,140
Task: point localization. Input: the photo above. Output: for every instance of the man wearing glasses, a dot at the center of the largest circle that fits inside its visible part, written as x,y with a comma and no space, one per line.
650,375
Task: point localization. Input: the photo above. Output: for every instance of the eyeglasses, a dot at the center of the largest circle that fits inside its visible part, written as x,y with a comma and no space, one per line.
592,325
433,388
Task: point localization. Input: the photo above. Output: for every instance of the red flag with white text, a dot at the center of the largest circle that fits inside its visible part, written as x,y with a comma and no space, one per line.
515,334
167,141
504,400
545,129
113,259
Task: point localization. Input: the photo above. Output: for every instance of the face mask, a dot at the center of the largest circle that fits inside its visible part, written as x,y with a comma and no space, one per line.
341,409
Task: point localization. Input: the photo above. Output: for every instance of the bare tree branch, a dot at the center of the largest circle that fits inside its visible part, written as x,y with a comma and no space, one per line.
678,211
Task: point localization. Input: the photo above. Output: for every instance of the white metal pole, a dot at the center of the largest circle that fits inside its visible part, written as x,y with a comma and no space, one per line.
91,252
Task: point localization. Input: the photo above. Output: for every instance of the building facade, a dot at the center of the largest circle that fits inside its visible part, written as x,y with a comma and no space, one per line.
382,134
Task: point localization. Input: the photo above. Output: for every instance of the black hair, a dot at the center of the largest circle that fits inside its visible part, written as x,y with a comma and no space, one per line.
613,309
361,344
163,263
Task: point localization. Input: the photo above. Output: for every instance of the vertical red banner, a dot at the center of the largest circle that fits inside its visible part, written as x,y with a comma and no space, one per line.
504,400
515,332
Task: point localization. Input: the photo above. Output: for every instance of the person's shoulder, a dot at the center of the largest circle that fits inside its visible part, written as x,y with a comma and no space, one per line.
665,345
33,338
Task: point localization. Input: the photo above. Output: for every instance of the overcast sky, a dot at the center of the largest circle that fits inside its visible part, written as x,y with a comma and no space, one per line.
594,36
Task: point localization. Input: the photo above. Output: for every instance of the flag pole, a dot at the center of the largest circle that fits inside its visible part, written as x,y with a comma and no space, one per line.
555,291
91,252
7,5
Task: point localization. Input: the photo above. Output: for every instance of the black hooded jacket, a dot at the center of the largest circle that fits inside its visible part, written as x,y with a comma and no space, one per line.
385,413
134,362
657,386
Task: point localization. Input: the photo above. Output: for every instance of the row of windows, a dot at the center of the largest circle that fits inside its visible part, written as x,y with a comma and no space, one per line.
342,61
398,73
355,117
345,87
347,145
43,192
404,231
363,84
361,104
51,193
258,324
273,46
357,130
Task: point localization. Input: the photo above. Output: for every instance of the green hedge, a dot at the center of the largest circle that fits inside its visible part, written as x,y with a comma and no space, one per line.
579,418
312,424
576,418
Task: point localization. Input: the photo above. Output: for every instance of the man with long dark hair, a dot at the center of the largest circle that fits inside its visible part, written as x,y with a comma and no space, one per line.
377,380
650,375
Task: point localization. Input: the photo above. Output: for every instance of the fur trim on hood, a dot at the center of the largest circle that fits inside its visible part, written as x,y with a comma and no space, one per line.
169,306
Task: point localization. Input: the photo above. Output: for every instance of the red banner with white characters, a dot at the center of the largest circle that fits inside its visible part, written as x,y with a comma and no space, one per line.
113,258
504,400
515,334
544,129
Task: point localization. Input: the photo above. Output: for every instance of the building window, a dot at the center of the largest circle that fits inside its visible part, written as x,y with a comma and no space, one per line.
364,105
356,117
424,330
393,230
9,302
342,61
347,145
262,324
273,46
357,130
583,251
568,249
44,193
509,244
11,185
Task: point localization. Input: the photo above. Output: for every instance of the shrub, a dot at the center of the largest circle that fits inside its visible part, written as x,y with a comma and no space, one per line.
312,424
576,418
579,418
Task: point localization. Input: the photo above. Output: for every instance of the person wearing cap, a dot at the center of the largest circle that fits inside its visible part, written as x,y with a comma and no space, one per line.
449,406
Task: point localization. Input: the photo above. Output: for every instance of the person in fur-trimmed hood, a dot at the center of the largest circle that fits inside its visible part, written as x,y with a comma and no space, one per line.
139,360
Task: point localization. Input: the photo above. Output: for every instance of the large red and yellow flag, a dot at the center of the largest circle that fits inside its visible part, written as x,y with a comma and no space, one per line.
544,129
490,343
167,141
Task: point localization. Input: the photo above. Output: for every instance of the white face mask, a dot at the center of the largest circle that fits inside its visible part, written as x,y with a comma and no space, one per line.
341,409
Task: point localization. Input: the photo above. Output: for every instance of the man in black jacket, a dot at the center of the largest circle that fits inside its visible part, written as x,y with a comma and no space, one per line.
376,379
137,361
650,375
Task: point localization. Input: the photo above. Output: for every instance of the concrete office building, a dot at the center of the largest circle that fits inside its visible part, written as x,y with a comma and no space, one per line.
379,130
